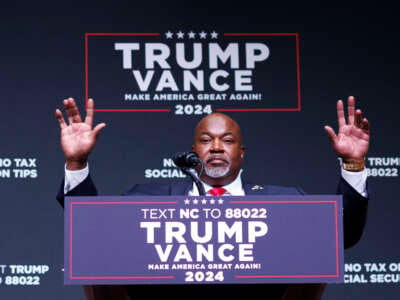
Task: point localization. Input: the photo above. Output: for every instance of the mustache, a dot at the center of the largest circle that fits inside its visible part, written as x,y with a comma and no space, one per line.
217,157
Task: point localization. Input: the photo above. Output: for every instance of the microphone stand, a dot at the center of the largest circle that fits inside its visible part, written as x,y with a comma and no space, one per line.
193,174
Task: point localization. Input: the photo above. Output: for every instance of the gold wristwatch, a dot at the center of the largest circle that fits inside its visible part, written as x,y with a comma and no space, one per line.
353,165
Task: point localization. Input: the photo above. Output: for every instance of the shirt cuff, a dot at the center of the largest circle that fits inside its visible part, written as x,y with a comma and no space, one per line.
73,178
358,180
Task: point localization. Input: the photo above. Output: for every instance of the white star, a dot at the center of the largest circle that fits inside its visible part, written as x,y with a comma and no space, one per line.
203,201
212,201
214,35
195,201
220,201
169,35
180,34
186,201
203,35
191,35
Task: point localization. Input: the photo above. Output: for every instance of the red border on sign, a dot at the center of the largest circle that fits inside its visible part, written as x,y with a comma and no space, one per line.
71,204
296,35
298,108
109,277
87,74
300,276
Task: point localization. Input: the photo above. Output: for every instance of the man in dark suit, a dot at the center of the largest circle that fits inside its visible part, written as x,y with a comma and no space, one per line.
218,143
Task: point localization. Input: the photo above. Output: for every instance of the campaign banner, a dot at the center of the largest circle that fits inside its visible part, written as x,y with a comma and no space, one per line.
203,240
187,72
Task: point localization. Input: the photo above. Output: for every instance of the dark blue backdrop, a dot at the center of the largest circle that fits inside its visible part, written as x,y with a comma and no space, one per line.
344,50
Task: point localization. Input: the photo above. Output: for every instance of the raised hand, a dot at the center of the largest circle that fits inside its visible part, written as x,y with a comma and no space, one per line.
78,138
352,141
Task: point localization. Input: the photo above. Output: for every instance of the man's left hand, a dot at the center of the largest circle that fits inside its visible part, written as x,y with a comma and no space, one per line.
352,141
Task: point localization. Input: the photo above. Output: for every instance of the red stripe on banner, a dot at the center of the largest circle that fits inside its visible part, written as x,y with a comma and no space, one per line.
123,34
296,35
337,240
298,71
283,276
125,277
129,202
133,109
258,109
288,201
260,34
87,34
70,240
309,201
86,71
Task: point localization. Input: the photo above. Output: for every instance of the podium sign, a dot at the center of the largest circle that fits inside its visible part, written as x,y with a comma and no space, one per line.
203,240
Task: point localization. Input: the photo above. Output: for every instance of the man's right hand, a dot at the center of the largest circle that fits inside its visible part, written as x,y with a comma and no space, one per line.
78,137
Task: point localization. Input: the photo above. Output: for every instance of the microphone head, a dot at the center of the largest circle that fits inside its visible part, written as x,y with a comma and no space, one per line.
186,159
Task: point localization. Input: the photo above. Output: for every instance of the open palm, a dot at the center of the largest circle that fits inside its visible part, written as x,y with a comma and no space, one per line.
78,138
352,140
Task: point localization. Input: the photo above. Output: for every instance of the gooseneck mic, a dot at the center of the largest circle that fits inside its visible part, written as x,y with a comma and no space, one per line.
186,161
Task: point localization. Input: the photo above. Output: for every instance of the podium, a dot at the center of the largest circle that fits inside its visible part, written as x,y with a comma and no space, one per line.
187,240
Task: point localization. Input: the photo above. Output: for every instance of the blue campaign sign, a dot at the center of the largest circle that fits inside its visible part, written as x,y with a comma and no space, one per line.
188,73
211,240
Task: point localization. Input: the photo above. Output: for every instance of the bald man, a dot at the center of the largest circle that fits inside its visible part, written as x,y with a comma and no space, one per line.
218,143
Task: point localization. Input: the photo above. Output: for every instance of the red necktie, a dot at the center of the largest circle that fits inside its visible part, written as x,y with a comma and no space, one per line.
217,191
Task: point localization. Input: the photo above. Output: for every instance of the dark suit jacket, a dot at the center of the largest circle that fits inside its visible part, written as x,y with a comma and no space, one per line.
355,211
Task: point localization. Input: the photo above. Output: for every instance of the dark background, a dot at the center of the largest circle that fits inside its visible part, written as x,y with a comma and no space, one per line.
349,49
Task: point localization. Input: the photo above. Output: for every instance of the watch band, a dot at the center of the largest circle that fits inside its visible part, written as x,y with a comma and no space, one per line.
353,165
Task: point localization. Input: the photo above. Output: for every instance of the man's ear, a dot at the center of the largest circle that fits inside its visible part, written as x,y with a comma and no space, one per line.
193,148
242,151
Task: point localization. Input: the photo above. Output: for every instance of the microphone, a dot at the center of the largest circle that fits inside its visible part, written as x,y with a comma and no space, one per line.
186,159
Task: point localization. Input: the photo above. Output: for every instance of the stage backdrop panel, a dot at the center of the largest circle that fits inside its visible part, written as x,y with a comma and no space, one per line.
155,68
